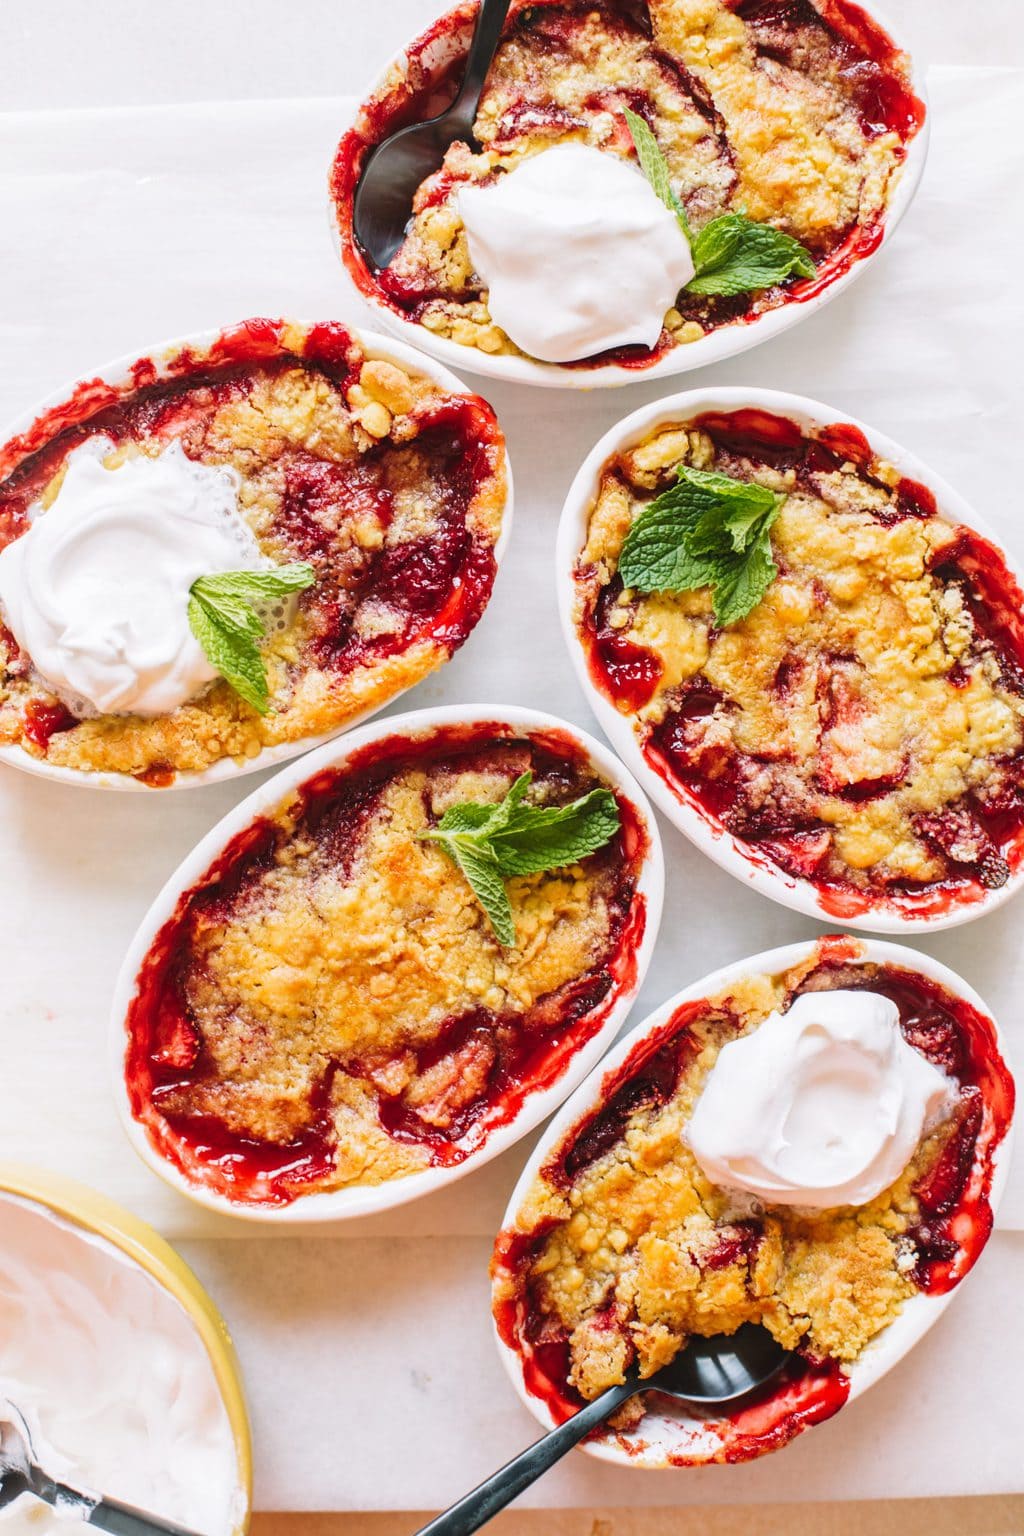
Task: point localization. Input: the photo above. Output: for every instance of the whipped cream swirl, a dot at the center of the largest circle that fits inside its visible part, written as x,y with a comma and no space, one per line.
112,1378
578,253
821,1106
96,591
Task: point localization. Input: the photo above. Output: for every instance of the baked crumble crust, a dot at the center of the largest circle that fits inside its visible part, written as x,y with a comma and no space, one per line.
860,713
767,109
637,1250
354,467
344,983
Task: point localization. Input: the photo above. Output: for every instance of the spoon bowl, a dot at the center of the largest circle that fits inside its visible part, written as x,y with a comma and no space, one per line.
720,1369
395,169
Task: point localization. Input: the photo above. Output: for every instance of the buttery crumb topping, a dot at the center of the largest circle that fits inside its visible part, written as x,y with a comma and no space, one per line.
635,1249
350,985
860,724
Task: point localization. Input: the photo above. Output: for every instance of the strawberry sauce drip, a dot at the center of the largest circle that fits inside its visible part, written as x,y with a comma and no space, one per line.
43,720
953,1224
981,837
521,1054
621,668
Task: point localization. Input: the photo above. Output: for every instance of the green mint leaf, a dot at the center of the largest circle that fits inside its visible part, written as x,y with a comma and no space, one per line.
730,510
471,817
223,615
657,556
743,584
480,868
227,611
717,243
258,586
655,166
731,254
467,817
489,842
734,254
539,838
743,494
708,530
233,652
502,813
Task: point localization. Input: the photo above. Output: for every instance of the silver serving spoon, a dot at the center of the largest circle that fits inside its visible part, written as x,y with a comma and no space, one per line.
708,1373
20,1473
396,168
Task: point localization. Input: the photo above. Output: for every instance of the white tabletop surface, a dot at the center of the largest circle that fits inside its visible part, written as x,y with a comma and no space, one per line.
132,223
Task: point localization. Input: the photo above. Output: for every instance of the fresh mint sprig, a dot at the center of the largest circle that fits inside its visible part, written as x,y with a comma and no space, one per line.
223,612
490,843
731,254
707,530
655,167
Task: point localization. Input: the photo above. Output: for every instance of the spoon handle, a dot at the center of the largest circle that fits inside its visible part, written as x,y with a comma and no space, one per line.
104,1514
478,61
470,1513
124,1520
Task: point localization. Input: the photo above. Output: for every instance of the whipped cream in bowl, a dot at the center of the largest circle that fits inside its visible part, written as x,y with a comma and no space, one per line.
820,1106
114,1356
96,592
578,252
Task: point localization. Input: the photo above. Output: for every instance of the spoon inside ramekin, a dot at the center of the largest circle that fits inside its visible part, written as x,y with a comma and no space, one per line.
709,1372
395,169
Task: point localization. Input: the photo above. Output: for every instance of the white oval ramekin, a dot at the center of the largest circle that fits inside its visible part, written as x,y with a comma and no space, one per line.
364,1200
727,341
119,375
682,810
661,1431
95,1214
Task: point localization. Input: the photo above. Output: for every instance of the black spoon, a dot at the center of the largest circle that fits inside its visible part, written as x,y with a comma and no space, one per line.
709,1372
396,168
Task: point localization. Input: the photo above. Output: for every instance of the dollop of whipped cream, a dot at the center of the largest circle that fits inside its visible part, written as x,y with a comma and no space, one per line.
823,1105
96,591
116,1386
578,253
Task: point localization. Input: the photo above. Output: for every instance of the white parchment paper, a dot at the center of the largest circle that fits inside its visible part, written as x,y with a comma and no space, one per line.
123,228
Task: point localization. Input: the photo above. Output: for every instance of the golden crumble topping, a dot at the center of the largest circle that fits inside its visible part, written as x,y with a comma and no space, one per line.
864,723
626,1249
768,109
391,489
347,983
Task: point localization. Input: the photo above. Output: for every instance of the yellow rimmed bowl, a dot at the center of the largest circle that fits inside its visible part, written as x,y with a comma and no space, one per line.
100,1217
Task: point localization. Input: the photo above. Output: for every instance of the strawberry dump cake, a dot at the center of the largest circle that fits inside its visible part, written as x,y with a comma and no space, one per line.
246,543
770,135
807,1150
377,973
812,656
